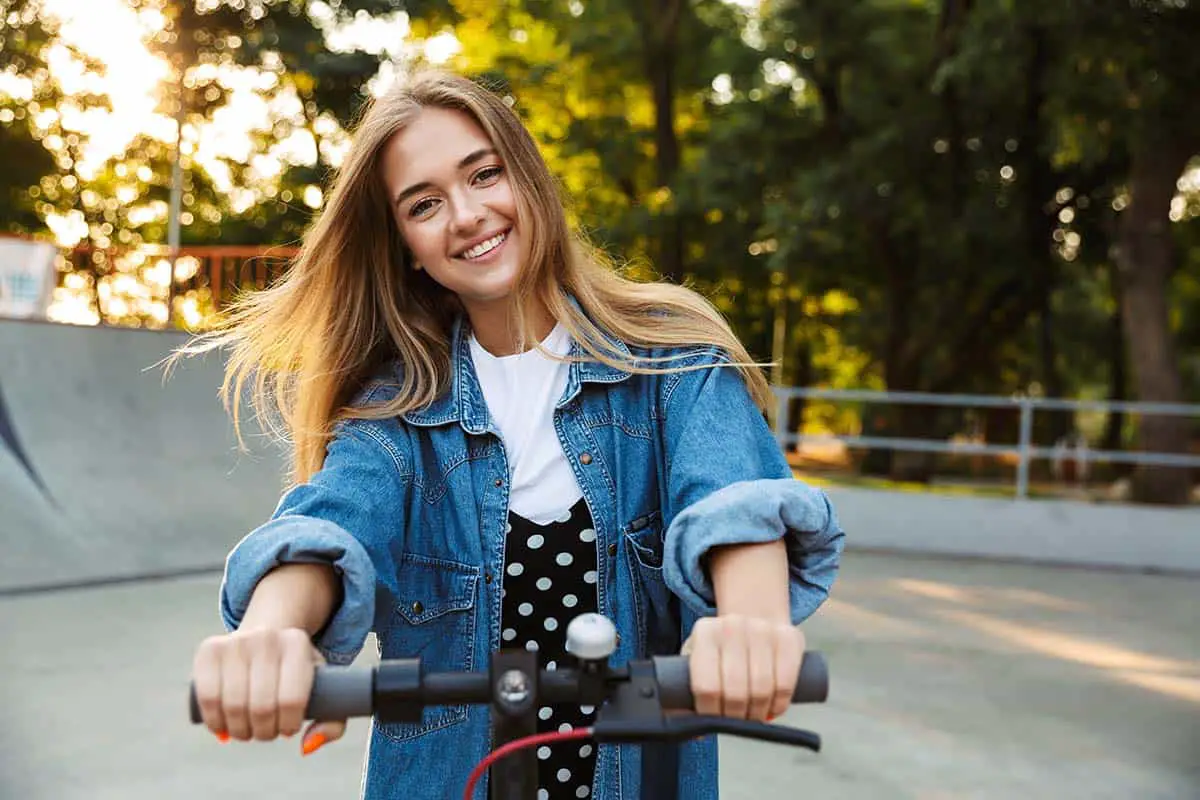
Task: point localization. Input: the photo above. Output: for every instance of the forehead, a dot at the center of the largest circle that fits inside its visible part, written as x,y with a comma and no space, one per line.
433,143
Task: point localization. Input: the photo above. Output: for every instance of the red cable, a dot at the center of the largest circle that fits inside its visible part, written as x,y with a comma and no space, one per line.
520,744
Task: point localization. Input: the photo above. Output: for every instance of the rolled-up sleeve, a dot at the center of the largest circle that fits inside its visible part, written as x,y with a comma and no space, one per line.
348,515
728,483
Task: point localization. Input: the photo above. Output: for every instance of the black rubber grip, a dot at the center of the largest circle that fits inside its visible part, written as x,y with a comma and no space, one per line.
674,680
341,694
338,693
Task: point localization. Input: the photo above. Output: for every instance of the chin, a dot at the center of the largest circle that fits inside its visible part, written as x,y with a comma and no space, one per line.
489,291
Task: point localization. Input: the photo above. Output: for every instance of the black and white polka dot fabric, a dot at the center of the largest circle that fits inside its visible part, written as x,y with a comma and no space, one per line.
549,579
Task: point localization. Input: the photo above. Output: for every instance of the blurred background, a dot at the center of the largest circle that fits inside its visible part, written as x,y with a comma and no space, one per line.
939,196
965,232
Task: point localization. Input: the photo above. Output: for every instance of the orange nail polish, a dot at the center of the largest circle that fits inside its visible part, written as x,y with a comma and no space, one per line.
223,737
313,743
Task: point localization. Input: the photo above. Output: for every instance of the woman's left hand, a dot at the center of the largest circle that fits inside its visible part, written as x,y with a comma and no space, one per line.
743,667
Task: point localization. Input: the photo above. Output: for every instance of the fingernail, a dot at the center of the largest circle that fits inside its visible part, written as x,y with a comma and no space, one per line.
313,743
223,737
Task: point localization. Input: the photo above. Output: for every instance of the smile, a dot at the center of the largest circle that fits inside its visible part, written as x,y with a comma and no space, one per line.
485,247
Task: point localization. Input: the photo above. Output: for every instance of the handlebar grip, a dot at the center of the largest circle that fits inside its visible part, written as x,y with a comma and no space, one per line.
338,693
674,680
341,694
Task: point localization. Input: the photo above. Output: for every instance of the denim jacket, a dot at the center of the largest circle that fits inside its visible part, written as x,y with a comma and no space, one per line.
411,512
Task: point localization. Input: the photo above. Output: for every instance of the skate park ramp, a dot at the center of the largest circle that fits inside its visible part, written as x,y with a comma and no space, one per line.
112,470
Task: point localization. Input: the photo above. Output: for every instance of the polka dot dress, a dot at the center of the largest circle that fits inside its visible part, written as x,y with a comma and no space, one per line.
549,579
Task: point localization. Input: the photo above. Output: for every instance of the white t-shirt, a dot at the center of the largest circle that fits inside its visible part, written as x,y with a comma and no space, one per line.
521,391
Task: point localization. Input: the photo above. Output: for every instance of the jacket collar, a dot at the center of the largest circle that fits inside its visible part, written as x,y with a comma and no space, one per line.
464,403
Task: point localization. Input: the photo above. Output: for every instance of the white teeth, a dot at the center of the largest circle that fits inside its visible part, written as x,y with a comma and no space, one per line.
485,247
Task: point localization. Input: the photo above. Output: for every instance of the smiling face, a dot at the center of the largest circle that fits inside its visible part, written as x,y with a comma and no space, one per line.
451,198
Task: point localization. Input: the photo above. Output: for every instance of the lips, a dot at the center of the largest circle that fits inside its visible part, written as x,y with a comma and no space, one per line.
483,247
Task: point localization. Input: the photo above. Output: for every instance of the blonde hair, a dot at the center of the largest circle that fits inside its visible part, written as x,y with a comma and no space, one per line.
351,300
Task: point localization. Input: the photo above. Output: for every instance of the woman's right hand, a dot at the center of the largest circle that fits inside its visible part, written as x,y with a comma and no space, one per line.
255,684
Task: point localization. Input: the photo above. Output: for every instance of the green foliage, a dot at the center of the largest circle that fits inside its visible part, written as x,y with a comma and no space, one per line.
925,193
24,35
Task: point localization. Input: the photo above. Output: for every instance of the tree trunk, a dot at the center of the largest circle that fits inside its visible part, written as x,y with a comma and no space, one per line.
661,57
1058,423
802,376
917,422
900,367
951,22
1037,183
901,420
1117,379
1145,261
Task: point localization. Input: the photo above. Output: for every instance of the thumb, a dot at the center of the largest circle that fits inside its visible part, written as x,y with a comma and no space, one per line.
320,734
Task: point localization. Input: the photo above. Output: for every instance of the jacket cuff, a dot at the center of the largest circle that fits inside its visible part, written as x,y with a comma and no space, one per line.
753,512
305,540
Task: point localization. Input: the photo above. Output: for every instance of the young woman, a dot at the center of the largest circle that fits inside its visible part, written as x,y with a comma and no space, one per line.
494,432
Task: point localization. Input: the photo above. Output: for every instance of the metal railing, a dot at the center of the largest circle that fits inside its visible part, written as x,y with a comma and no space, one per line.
228,269
1024,450
222,270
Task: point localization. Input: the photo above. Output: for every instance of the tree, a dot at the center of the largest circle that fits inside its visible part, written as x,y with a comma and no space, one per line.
205,42
25,32
1145,55
909,188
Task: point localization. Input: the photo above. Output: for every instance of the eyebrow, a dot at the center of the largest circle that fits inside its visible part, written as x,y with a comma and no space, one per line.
467,161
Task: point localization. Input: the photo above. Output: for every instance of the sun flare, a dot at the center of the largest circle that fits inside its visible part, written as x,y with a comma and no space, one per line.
111,33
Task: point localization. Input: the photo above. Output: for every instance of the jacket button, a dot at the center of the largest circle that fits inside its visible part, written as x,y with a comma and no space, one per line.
499,483
487,578
612,549
417,608
585,459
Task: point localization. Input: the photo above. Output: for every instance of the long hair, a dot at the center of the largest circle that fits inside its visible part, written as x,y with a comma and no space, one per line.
352,301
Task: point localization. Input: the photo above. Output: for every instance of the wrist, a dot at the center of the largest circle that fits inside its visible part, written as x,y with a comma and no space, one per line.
751,580
300,596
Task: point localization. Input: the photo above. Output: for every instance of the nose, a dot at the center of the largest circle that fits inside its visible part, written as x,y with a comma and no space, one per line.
469,214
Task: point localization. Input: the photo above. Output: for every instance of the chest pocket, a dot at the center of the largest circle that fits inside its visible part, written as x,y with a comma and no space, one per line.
432,618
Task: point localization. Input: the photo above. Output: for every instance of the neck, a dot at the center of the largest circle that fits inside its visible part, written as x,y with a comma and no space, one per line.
496,331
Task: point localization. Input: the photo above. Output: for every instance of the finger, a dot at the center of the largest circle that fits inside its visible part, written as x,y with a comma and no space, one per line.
235,693
760,648
320,734
264,689
735,669
206,678
688,644
296,673
704,668
789,653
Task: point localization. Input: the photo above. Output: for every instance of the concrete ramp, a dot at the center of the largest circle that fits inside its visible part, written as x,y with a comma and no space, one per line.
108,472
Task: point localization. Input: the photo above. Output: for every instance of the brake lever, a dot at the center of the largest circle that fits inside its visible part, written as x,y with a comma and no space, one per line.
690,725
635,714
679,727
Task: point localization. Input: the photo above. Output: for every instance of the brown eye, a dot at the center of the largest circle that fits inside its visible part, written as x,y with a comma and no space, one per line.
420,207
488,175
